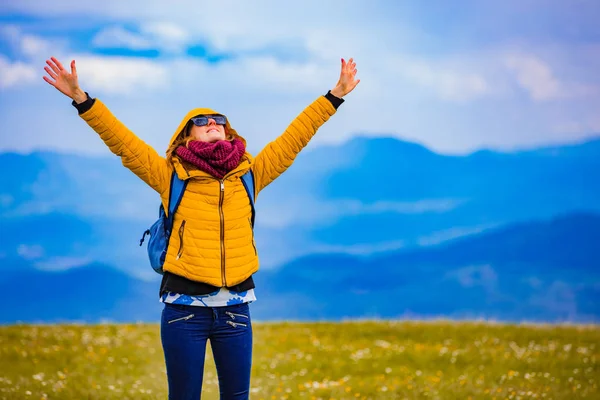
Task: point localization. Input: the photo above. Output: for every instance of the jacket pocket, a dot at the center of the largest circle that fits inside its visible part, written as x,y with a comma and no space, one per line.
253,241
181,232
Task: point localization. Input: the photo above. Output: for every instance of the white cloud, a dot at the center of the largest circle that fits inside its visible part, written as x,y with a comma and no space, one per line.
449,234
476,275
274,75
560,297
116,36
167,32
34,49
120,75
127,76
155,35
400,207
31,47
450,91
310,212
237,26
535,76
34,46
16,73
11,34
587,124
444,81
360,249
30,252
62,263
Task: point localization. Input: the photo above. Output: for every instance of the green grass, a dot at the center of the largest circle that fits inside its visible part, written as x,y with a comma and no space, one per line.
353,360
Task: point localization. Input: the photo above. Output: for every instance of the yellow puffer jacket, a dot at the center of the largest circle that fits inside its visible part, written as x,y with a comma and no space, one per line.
212,239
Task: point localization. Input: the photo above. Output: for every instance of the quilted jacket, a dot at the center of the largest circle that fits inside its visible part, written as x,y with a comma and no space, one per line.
212,240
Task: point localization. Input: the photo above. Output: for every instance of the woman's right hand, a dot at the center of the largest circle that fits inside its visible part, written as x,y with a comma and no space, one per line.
64,81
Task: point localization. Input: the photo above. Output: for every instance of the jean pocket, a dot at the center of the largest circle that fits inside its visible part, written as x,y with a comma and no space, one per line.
237,324
177,312
184,318
235,316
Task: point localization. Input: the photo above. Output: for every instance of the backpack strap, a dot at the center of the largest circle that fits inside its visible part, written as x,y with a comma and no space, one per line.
177,188
248,181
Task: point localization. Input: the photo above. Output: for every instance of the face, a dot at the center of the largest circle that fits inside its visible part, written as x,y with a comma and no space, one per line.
209,129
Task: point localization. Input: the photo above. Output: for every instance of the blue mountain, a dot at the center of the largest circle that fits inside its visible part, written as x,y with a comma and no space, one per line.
396,204
541,271
437,192
497,275
89,293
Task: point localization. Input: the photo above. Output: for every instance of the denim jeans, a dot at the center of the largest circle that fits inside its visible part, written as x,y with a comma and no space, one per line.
184,332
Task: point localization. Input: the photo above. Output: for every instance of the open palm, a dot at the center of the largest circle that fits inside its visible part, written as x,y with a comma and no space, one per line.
347,81
64,81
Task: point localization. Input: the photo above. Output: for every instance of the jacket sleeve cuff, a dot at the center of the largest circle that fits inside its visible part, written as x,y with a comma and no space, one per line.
335,101
85,106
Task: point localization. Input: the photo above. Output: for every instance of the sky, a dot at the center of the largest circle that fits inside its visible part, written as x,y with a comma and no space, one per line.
454,76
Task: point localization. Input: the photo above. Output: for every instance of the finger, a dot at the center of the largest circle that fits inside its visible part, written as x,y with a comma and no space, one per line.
343,64
73,68
48,80
50,72
53,66
60,67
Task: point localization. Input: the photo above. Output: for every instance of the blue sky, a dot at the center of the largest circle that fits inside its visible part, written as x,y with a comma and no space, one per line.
455,76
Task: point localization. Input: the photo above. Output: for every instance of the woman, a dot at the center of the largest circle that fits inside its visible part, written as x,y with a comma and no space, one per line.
211,256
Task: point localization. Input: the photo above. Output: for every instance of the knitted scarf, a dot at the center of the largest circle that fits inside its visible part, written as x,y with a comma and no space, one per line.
216,158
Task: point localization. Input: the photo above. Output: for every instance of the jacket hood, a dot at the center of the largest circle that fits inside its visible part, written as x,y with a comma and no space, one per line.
202,111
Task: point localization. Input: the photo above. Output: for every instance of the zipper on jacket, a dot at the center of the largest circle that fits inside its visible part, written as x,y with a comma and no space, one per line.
181,319
236,324
233,315
221,196
253,242
181,230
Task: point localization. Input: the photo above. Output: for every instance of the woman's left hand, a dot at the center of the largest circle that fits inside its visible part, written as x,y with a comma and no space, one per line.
347,81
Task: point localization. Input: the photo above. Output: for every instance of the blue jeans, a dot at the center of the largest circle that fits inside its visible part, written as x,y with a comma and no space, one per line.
184,331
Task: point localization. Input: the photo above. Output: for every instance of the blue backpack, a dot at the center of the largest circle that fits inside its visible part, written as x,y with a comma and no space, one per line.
160,231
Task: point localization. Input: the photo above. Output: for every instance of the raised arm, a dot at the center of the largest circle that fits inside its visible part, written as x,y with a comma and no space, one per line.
135,154
278,155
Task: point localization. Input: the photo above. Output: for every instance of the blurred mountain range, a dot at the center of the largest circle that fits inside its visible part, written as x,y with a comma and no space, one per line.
376,227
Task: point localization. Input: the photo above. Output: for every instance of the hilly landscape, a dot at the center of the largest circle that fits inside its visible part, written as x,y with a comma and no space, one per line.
495,275
375,227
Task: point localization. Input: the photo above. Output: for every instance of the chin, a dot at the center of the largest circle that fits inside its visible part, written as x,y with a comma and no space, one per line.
216,138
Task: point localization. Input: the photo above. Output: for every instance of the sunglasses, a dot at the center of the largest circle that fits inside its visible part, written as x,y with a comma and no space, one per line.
202,120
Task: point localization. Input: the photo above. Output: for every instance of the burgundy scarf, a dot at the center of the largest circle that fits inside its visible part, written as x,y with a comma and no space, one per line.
216,158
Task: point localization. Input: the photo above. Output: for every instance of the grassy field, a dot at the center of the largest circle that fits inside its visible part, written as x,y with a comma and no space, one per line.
353,360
